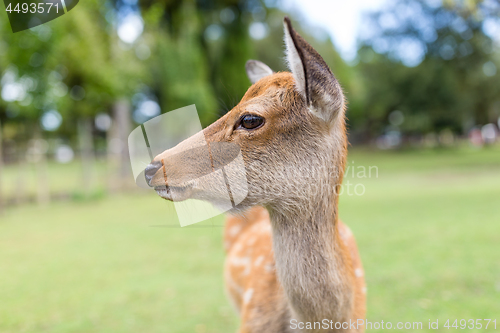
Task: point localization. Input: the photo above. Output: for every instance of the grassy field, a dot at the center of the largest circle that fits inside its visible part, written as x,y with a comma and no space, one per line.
428,229
427,225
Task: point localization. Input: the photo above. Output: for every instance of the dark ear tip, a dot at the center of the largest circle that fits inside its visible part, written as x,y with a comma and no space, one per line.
287,21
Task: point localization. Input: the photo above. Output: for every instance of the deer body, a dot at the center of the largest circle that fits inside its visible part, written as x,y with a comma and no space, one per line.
292,266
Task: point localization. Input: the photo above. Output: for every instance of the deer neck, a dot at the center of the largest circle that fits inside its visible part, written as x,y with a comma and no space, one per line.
309,262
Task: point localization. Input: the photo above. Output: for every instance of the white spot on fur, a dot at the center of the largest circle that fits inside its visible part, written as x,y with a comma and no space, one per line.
234,230
264,227
358,272
237,261
259,260
247,296
269,268
342,234
364,290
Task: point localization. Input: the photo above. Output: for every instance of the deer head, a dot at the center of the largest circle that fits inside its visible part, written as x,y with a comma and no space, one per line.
289,128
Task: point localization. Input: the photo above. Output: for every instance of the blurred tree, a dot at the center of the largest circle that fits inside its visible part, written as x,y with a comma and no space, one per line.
72,65
436,64
189,52
58,76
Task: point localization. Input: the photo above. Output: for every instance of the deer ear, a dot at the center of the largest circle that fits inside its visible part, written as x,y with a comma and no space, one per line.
314,79
256,70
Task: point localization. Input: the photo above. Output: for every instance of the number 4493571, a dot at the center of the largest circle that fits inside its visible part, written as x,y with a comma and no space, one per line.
471,323
33,8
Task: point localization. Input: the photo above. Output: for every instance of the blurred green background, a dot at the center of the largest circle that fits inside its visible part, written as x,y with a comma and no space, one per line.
82,249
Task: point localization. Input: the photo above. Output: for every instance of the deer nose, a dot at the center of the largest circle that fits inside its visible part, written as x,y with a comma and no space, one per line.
151,170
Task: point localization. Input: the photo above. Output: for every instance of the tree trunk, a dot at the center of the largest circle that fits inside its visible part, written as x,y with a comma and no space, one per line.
39,148
86,154
118,157
21,175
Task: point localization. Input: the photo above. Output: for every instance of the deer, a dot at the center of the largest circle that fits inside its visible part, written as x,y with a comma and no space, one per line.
291,264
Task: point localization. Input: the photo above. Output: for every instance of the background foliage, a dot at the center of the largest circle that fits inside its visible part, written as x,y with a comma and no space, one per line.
434,63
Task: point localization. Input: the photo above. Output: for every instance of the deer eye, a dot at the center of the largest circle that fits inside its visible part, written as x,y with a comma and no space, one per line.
251,121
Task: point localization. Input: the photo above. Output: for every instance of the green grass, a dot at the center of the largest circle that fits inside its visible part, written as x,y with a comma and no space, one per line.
428,229
105,267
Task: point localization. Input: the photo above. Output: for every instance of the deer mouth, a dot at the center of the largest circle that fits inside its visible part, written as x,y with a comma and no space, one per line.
173,193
